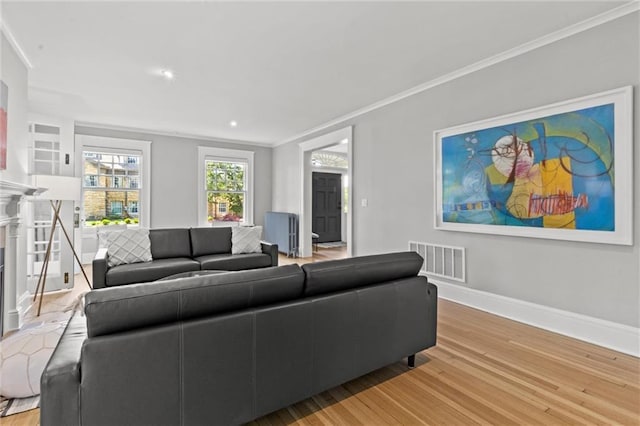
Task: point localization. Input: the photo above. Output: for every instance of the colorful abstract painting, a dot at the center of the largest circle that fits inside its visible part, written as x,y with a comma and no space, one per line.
4,101
556,171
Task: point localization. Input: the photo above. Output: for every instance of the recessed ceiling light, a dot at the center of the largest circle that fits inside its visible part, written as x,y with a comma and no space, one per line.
233,123
168,74
345,140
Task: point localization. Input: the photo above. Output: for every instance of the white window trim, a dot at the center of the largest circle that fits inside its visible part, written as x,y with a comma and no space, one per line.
223,154
118,145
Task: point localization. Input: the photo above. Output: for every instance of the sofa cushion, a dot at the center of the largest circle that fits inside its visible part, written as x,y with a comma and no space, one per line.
128,246
149,271
210,241
234,262
246,239
168,243
344,274
111,310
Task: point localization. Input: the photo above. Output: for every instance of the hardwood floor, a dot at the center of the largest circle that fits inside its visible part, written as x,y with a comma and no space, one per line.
483,370
320,254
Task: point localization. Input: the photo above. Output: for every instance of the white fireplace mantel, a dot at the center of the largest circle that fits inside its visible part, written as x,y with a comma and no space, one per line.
11,196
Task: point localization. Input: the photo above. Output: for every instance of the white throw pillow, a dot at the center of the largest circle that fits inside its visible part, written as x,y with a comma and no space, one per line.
245,239
128,246
104,230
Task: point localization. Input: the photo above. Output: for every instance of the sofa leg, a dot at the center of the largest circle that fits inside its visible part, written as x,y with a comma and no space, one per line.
411,361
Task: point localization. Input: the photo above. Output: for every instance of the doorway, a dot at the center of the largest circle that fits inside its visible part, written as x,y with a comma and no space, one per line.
340,138
327,207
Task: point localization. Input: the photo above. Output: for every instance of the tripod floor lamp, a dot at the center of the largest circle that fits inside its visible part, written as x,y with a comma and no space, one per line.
58,189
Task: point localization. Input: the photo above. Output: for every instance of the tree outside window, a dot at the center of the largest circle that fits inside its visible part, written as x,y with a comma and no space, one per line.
226,190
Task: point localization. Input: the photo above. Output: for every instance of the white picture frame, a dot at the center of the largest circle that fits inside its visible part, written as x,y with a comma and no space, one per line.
561,155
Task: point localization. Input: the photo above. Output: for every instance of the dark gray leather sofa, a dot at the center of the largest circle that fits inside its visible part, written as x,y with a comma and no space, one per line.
228,348
182,250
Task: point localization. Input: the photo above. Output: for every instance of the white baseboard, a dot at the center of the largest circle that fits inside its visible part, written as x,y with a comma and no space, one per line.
619,337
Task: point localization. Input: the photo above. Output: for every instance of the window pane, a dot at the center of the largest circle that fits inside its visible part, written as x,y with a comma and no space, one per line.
95,205
224,176
116,208
119,177
224,206
43,155
91,180
43,145
42,168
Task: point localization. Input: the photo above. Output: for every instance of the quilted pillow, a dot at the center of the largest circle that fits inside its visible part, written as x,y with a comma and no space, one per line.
245,239
128,246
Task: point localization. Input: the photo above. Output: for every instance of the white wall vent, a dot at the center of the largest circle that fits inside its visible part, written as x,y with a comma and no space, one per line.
441,261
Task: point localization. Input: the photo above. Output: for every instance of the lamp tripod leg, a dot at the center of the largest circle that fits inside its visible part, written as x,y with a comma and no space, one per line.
75,254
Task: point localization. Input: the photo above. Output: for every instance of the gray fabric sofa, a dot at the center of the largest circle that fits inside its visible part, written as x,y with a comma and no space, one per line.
181,250
228,348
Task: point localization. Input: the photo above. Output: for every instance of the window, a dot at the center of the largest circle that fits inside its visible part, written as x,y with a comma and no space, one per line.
111,181
114,174
336,160
46,149
225,186
91,180
116,208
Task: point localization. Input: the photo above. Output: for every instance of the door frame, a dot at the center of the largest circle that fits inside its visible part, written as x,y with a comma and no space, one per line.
344,135
340,195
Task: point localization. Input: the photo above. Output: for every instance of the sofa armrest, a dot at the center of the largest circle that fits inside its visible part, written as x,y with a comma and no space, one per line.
60,381
272,250
100,267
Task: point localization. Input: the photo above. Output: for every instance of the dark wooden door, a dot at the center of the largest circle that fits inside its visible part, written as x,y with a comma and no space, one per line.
327,206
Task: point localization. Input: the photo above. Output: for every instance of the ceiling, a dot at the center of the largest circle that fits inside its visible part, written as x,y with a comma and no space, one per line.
277,68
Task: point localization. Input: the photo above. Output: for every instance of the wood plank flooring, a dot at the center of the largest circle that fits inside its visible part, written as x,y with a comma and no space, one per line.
319,255
484,370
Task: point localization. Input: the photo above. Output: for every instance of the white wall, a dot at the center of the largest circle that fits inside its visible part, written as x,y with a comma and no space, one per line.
600,281
14,74
174,195
286,179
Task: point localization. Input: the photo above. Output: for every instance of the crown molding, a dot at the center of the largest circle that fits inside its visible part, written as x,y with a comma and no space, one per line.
4,28
595,21
169,133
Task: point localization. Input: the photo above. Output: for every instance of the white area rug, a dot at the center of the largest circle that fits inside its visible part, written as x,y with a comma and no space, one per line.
25,353
18,405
